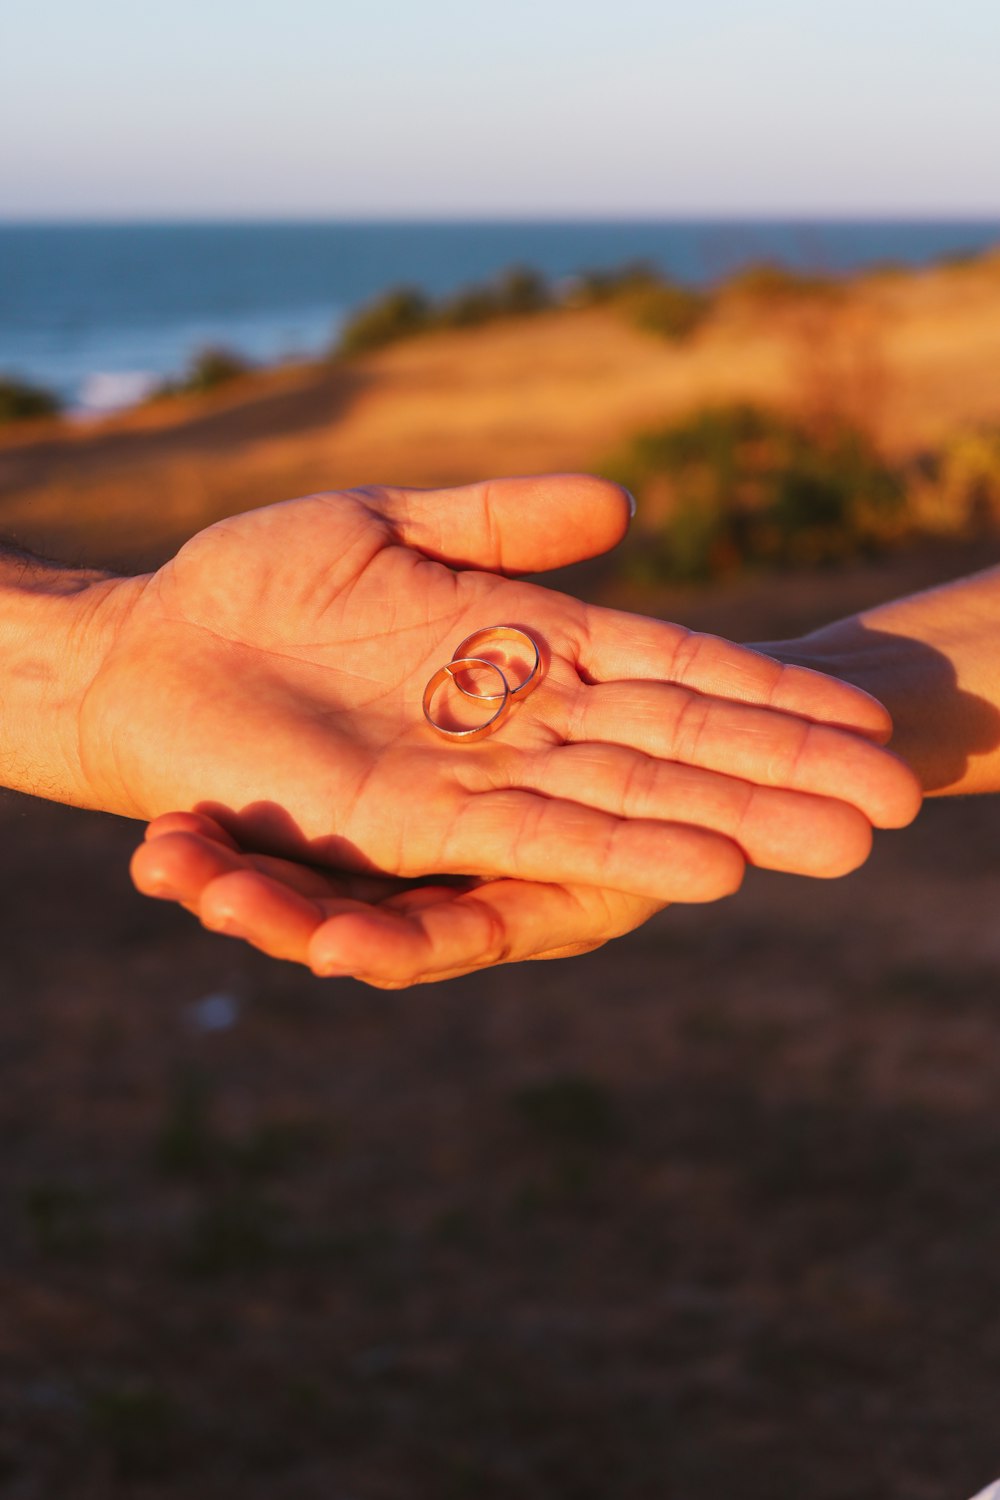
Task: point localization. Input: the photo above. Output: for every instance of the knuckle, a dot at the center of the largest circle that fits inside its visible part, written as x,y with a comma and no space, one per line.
690,726
497,948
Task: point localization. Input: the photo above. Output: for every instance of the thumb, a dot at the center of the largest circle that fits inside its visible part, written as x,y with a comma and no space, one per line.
510,525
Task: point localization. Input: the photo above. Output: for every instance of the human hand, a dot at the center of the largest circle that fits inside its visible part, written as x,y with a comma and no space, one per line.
388,932
275,668
273,672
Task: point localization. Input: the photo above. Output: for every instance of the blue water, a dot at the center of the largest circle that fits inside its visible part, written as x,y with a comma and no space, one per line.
99,312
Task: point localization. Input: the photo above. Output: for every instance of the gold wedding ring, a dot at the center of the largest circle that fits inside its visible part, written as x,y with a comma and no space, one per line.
479,638
465,660
447,674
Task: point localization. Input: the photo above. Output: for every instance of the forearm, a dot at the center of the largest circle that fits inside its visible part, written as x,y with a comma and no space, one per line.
52,633
933,659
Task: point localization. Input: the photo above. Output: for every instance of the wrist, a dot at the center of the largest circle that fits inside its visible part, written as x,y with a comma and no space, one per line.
56,626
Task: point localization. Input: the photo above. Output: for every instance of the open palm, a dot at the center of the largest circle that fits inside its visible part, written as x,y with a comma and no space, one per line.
272,675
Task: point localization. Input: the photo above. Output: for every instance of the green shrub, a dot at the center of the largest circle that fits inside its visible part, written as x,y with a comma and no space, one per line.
672,311
647,298
517,292
20,401
739,485
662,306
521,291
956,490
469,308
594,288
766,281
213,367
210,368
405,311
399,314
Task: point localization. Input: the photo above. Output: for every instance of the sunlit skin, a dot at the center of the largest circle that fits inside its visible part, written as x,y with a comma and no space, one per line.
281,657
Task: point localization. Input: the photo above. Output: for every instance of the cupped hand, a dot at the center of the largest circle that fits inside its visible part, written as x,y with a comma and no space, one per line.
273,671
387,932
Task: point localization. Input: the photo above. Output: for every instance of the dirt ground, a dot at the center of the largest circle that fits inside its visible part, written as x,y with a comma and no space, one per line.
711,1212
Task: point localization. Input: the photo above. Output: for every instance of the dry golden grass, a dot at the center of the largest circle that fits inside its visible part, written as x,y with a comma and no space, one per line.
910,357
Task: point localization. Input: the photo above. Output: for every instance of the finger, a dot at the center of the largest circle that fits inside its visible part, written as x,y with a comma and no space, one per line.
177,865
630,646
503,921
262,911
190,822
387,947
510,525
426,933
510,832
775,829
272,904
752,744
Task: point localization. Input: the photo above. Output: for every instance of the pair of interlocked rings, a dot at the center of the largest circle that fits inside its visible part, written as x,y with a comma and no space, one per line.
463,660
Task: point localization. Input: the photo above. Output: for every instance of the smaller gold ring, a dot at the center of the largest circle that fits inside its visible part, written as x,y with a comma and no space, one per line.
446,674
506,633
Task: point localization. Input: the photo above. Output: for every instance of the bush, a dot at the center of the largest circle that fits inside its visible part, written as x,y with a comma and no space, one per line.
405,311
594,288
956,490
672,311
648,299
662,306
521,291
20,401
739,485
210,368
213,367
469,308
766,281
399,314
516,293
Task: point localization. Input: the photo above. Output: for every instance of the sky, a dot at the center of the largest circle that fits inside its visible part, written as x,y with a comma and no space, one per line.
434,108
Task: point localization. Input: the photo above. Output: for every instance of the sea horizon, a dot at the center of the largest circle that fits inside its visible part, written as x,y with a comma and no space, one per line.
161,219
101,310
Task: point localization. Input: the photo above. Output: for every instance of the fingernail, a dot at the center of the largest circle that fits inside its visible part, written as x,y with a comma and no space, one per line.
631,503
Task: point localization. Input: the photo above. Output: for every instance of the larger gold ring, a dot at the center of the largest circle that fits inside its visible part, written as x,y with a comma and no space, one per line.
447,674
506,633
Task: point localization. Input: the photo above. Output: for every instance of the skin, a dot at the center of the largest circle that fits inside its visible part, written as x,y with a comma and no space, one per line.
933,659
648,766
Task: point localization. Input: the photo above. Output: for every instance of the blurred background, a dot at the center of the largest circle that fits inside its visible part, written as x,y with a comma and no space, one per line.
713,1210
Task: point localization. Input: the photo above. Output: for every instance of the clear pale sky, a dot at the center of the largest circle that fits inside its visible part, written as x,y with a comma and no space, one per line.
115,108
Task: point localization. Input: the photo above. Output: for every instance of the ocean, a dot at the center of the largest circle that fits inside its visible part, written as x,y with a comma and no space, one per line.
101,313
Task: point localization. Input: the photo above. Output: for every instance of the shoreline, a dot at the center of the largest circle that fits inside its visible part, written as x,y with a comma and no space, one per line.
345,264
909,358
